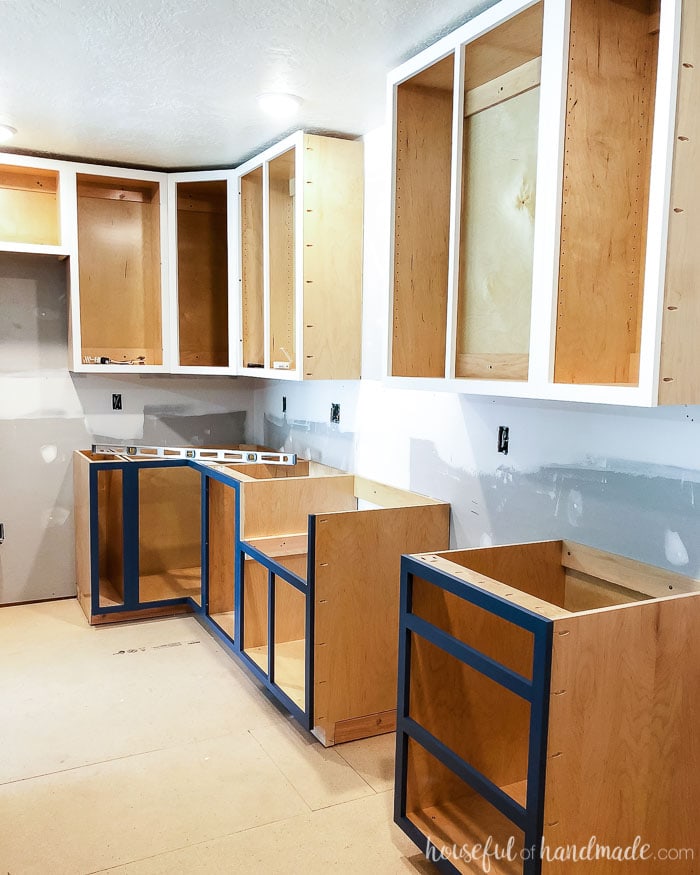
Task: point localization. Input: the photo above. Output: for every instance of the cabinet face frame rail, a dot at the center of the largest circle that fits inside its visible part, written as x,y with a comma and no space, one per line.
528,818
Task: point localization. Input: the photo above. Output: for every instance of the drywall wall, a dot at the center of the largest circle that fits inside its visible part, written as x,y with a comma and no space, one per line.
46,413
624,480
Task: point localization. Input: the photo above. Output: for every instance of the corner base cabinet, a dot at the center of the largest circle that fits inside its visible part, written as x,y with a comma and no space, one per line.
548,702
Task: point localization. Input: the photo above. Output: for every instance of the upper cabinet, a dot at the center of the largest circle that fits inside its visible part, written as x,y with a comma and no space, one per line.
299,257
31,202
544,210
119,283
199,257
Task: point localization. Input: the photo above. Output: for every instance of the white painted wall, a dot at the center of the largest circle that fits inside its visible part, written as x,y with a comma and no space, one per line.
619,478
46,413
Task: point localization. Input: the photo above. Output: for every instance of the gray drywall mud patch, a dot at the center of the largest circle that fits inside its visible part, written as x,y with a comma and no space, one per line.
203,430
36,505
624,511
311,440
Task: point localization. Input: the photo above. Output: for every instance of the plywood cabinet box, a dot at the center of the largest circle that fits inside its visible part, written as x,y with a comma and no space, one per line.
203,315
294,568
548,693
300,259
544,206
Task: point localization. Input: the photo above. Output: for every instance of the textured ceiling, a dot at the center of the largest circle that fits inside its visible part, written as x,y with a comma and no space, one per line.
173,83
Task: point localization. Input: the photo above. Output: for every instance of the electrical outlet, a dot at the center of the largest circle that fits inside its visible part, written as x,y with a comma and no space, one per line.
503,439
117,401
2,532
284,404
335,413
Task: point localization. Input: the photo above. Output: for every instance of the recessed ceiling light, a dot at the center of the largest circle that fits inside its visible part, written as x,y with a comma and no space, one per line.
7,132
278,104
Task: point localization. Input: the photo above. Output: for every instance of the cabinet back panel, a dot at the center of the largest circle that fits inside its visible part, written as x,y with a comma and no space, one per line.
609,121
29,206
498,204
508,644
202,274
252,267
222,532
282,507
111,539
282,263
119,264
535,569
169,519
422,222
510,45
482,722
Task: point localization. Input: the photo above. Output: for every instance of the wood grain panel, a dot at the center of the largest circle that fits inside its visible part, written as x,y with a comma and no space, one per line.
282,261
504,48
202,273
169,519
252,268
609,120
333,209
282,507
498,204
119,266
29,206
531,568
679,377
422,225
222,538
625,692
357,570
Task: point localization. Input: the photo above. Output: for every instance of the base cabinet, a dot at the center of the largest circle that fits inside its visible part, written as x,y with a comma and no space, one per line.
138,537
294,568
547,701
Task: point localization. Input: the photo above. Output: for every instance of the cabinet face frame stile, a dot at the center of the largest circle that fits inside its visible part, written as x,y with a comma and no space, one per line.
549,194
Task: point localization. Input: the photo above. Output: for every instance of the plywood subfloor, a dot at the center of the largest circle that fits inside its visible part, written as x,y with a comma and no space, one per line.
162,755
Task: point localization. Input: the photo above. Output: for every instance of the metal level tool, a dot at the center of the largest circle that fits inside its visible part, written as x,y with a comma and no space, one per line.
202,454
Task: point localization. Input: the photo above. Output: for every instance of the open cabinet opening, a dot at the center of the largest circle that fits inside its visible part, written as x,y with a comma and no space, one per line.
29,206
119,264
202,273
169,533
282,262
221,549
499,167
252,283
423,165
607,160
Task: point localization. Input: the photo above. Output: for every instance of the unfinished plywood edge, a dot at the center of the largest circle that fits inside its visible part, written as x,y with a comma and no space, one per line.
680,350
281,545
389,496
364,727
510,84
626,573
495,587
